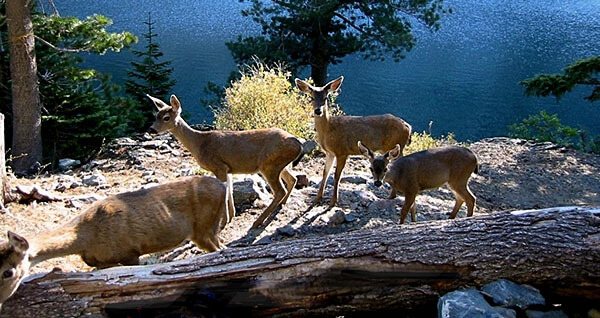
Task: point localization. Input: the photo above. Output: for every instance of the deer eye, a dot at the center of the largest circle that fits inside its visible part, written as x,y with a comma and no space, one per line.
166,118
8,273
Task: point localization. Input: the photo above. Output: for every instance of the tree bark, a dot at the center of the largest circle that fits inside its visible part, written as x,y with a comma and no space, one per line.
4,187
26,106
395,269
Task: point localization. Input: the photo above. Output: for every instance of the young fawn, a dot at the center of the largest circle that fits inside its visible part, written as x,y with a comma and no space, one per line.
338,135
267,151
429,169
120,228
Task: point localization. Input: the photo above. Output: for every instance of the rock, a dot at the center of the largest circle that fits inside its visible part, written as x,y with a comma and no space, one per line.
125,141
287,230
81,200
338,217
509,294
354,179
153,144
382,205
66,163
467,303
545,314
186,172
309,146
249,190
95,179
147,173
303,181
351,217
149,185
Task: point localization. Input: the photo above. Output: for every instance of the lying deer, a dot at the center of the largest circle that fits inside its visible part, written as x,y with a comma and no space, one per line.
267,151
429,169
120,228
338,135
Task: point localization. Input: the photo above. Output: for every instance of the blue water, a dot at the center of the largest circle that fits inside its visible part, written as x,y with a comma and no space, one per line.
464,77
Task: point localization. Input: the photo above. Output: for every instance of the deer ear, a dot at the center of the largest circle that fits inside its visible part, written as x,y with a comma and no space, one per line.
157,102
18,242
365,151
334,85
175,104
394,153
303,86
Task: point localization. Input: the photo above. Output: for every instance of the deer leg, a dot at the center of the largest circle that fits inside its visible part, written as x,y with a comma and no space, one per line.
413,213
290,182
278,193
329,158
409,201
222,175
392,194
231,204
206,244
339,167
462,193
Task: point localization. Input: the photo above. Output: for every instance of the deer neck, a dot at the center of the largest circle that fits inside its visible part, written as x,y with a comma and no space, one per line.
322,123
60,242
186,135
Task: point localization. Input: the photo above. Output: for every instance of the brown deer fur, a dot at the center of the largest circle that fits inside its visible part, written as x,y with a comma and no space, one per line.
338,135
120,228
429,169
267,151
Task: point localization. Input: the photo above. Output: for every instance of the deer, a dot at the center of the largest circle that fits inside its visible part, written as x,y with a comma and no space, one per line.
266,151
338,135
424,170
119,229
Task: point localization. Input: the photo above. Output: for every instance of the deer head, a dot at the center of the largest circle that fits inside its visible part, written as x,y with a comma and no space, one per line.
14,264
379,164
166,116
319,94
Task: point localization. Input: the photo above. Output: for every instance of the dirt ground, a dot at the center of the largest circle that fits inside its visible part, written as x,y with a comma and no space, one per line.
514,175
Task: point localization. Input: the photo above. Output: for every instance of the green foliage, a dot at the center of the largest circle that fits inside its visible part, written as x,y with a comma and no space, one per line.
424,140
581,72
544,127
263,98
80,106
317,33
148,77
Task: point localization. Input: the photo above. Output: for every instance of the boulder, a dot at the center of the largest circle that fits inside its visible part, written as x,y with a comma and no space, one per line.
509,294
95,179
468,303
66,163
249,190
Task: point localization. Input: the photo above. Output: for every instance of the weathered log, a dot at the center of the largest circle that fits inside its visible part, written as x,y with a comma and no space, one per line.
391,269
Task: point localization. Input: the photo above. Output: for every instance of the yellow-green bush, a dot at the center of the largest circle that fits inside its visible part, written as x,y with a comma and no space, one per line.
263,98
424,140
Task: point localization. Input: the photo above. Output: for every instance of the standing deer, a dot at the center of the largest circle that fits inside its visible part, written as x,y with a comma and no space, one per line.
338,135
120,228
428,169
267,151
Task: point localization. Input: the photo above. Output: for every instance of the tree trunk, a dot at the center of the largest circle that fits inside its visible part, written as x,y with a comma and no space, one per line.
395,269
27,140
4,187
318,72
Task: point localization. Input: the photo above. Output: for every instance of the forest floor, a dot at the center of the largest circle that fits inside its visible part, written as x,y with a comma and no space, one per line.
514,175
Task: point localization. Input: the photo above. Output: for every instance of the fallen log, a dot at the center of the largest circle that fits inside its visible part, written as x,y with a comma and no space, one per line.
394,269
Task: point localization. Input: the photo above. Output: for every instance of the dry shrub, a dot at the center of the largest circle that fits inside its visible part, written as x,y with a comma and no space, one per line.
264,98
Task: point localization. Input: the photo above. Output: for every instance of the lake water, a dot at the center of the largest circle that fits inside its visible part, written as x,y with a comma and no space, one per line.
464,77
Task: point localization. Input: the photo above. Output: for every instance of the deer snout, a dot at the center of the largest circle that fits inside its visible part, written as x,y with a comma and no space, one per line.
377,183
152,130
318,111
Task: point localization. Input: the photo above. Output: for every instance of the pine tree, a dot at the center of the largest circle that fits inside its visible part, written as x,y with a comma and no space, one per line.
148,77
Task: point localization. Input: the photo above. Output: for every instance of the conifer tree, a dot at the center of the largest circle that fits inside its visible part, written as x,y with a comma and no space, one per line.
148,77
